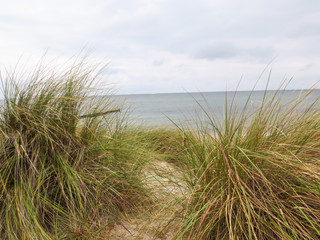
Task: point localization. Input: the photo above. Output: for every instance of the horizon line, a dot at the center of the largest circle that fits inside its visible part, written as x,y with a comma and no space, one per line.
233,91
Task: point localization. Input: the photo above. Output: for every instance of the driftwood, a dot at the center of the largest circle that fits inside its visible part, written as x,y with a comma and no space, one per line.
99,114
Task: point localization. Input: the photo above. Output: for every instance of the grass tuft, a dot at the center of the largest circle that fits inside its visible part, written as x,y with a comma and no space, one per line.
255,176
66,169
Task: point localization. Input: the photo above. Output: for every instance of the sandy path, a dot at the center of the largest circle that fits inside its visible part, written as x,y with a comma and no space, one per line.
163,180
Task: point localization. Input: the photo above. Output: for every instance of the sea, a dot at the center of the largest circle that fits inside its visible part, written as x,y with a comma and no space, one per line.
190,109
170,109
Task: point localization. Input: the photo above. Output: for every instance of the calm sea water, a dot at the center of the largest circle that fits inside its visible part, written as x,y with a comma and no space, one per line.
186,108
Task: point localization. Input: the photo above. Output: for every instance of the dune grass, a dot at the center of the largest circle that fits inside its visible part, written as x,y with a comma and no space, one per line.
256,174
71,165
63,175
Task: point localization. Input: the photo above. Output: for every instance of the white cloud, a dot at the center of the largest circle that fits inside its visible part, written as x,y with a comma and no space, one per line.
171,45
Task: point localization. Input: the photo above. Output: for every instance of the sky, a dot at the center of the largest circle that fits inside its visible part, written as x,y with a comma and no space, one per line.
157,46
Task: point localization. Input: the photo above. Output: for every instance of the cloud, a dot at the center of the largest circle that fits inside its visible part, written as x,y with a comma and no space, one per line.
170,45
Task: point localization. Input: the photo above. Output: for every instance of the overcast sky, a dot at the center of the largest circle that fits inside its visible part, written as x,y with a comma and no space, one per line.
171,45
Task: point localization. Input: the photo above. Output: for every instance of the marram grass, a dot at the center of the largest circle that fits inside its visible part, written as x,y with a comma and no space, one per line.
63,175
70,165
256,175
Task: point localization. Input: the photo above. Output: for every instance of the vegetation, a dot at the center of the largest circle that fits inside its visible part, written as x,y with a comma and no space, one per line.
71,166
63,175
256,175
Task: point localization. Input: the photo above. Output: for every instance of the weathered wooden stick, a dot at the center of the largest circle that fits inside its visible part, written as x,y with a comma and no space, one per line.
99,114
